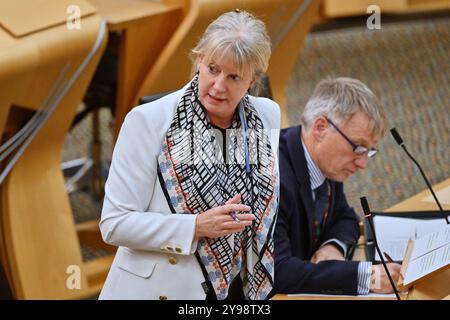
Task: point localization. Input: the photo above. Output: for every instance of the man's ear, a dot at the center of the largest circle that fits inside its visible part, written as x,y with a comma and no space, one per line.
319,128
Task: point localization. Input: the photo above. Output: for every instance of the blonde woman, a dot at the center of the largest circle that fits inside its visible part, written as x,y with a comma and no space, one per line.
192,192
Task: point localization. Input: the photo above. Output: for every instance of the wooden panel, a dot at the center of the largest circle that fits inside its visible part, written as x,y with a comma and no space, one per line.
345,8
36,15
433,288
96,271
145,27
141,45
89,234
119,13
40,240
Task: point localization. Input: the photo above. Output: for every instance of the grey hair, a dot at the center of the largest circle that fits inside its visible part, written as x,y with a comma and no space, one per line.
238,34
339,99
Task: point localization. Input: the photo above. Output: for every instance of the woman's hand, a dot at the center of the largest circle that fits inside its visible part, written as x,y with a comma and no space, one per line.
217,222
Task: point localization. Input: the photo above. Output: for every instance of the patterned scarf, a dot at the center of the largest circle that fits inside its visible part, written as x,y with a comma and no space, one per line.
197,179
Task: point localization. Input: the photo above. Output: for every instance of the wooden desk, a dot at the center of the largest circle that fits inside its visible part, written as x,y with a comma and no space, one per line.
332,297
419,202
145,26
435,288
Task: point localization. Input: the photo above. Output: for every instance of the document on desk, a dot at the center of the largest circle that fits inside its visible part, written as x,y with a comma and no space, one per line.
393,233
430,253
430,242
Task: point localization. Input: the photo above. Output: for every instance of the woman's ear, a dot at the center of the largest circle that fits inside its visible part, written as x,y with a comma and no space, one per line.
253,82
256,78
197,67
198,61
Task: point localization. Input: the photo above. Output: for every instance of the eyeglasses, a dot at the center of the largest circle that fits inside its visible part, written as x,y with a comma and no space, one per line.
358,149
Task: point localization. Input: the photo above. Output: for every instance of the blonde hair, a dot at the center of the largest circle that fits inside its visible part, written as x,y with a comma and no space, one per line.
241,36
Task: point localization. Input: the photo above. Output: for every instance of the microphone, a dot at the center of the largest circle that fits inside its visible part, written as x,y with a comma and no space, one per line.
400,142
368,215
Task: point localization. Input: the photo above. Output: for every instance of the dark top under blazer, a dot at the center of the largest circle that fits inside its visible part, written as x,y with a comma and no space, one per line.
294,273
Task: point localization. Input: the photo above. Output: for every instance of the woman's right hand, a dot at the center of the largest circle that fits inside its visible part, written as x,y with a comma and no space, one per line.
217,222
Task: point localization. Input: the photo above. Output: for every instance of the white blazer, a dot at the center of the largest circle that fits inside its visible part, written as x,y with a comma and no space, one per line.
155,258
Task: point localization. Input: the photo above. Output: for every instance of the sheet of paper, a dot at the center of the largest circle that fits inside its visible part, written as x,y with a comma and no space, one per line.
443,196
427,263
430,242
396,248
393,233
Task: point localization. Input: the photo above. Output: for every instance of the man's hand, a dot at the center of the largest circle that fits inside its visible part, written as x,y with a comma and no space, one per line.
379,281
327,252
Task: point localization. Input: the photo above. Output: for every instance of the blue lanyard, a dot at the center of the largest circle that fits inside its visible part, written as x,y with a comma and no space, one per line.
245,133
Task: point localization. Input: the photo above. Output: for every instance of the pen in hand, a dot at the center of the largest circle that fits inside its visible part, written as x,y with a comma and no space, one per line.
234,216
390,260
388,257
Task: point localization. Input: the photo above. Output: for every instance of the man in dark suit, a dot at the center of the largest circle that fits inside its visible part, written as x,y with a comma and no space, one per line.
316,229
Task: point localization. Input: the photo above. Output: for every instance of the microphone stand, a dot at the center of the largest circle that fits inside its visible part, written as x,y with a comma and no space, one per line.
368,216
400,142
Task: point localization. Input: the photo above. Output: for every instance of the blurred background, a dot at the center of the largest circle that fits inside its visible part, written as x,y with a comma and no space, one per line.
403,56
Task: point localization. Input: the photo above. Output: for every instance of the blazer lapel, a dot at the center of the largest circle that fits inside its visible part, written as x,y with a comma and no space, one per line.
298,160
